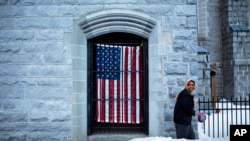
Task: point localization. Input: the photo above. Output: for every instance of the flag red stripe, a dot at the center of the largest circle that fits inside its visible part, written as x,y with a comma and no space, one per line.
102,100
118,102
111,100
133,85
125,93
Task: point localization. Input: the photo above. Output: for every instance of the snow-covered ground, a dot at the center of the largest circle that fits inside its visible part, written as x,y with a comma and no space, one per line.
214,128
202,137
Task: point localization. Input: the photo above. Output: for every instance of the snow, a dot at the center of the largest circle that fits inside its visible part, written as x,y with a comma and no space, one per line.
202,137
214,129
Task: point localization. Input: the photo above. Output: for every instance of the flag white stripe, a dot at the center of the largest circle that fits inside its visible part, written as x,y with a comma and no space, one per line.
106,101
115,101
137,86
129,85
99,102
123,82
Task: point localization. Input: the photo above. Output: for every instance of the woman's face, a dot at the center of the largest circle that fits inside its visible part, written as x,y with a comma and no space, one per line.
190,86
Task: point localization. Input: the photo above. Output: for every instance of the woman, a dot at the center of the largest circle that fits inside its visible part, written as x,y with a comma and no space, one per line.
184,110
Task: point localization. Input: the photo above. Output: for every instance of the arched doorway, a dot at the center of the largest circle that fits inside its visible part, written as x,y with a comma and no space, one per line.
96,25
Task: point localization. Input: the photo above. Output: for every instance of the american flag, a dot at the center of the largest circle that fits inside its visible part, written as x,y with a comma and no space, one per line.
118,84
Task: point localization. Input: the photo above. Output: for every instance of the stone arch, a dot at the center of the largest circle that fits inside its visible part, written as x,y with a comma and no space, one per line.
91,26
117,21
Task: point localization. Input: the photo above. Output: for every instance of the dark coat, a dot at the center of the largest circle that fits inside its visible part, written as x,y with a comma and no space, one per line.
184,108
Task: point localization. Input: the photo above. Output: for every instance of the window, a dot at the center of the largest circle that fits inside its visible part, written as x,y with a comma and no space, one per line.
117,84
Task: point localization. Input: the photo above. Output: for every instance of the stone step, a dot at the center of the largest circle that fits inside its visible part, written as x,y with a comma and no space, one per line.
115,137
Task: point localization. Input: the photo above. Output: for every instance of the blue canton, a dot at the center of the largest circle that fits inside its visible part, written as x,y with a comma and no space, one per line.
108,62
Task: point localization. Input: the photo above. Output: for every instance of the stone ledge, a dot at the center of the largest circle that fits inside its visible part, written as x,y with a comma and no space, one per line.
115,137
237,62
237,28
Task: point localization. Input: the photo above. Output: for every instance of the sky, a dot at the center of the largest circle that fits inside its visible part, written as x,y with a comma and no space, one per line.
215,131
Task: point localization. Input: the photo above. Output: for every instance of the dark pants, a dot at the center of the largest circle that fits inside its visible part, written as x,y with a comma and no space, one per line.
184,131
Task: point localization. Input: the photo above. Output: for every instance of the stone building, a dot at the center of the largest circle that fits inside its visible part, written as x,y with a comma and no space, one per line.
47,62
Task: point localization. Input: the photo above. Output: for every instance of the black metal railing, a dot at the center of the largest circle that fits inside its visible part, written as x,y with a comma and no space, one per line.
222,113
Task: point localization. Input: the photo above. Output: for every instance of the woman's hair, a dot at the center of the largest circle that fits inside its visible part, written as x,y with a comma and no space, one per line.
185,86
189,80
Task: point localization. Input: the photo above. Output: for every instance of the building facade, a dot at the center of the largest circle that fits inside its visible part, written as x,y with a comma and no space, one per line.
46,84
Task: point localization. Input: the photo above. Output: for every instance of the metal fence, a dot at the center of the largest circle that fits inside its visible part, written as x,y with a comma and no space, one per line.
221,113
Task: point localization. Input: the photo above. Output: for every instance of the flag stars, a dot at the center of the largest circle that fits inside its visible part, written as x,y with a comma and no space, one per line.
108,61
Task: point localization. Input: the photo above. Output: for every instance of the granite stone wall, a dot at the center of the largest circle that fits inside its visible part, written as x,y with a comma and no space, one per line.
43,64
235,45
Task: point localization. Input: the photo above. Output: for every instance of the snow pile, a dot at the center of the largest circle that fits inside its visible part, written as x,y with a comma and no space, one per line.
202,137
